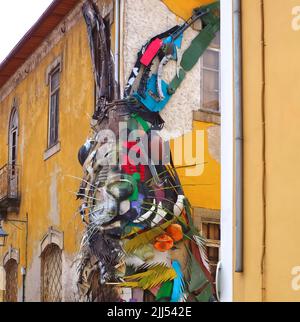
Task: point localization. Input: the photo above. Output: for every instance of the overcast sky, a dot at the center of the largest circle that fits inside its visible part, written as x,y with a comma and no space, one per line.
16,18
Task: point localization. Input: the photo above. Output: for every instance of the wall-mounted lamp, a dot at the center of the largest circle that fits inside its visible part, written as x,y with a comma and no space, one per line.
3,236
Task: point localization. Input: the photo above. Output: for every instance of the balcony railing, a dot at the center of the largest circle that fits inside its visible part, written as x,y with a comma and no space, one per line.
9,186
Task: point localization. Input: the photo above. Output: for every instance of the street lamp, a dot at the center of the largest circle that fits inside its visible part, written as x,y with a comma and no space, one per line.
3,236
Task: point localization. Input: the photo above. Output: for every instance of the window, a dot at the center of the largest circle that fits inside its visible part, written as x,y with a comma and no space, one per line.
11,271
13,138
54,81
51,274
211,231
210,77
208,223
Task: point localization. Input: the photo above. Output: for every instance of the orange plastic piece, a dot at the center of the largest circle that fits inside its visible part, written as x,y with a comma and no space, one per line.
163,243
175,231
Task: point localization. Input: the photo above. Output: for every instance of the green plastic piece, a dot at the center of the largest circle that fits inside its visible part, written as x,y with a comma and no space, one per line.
136,176
198,279
198,47
142,122
165,292
205,295
135,196
176,82
132,124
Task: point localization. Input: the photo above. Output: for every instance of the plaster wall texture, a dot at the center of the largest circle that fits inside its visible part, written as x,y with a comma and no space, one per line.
144,19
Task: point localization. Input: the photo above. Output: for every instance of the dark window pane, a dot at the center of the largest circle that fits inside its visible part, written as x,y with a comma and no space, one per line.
13,154
56,118
54,80
14,138
54,113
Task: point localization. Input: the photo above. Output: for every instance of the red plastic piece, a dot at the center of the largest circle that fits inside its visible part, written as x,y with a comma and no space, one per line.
151,51
128,165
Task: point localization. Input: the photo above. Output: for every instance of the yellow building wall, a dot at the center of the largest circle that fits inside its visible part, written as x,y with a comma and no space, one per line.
282,155
184,9
202,190
41,179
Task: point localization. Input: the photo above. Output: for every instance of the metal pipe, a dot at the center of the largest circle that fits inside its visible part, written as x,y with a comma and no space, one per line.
121,49
26,260
239,182
117,45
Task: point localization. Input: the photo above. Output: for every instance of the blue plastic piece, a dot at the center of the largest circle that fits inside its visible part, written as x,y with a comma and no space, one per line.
177,291
152,101
177,42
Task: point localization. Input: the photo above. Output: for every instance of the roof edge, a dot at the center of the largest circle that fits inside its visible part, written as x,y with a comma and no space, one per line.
29,33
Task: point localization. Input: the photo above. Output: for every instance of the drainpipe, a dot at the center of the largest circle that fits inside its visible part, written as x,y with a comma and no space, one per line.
239,202
121,48
24,269
117,45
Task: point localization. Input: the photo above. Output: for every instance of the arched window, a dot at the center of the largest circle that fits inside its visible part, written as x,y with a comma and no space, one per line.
13,132
11,290
51,274
13,141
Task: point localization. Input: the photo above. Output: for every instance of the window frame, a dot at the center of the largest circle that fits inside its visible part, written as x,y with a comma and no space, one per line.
51,254
52,92
213,48
11,268
13,133
206,219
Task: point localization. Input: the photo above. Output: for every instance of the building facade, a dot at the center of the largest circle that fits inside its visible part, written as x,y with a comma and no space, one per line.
271,179
46,101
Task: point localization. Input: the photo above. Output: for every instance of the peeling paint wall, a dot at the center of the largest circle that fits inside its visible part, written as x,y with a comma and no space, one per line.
33,280
69,286
54,211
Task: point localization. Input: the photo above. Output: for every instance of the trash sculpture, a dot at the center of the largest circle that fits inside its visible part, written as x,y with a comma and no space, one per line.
133,204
